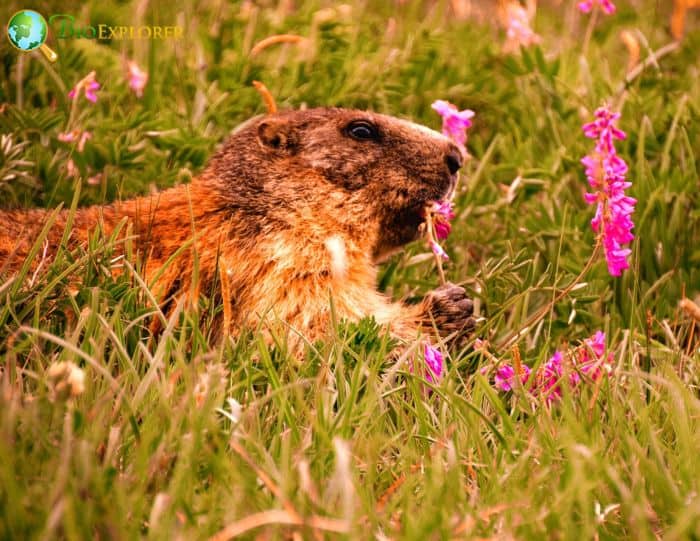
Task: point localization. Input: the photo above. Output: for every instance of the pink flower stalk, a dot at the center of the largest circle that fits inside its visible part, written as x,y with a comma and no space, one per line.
518,31
455,123
88,85
504,379
606,173
442,214
606,5
136,77
434,361
438,250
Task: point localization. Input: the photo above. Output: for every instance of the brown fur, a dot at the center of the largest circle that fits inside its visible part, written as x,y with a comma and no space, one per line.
295,211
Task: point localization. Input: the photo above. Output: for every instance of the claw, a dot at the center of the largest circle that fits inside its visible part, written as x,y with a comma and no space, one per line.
451,310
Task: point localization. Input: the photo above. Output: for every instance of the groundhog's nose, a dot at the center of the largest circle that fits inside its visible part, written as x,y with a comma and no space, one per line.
453,159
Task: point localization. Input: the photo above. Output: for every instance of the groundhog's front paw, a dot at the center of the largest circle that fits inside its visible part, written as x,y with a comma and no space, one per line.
450,310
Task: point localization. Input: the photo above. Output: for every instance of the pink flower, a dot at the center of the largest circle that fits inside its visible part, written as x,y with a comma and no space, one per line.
606,5
592,365
438,251
88,85
548,380
550,376
606,173
518,31
90,89
596,343
137,77
75,135
71,169
442,230
68,136
504,378
83,138
434,361
442,214
95,180
455,123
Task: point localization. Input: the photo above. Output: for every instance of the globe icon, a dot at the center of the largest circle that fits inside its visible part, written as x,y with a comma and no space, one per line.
27,30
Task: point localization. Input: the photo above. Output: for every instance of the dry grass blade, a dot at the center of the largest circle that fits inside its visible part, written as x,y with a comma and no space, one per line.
650,60
226,295
269,483
401,479
389,492
278,516
98,366
632,45
690,308
266,96
680,9
274,40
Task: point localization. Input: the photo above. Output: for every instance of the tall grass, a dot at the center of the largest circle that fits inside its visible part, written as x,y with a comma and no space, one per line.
177,436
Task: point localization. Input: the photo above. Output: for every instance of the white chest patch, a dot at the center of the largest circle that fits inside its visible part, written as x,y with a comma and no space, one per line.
339,257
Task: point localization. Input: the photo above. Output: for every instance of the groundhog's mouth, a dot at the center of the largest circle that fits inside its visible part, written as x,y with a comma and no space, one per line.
406,223
428,202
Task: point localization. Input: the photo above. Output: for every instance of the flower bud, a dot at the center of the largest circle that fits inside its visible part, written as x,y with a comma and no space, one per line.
65,380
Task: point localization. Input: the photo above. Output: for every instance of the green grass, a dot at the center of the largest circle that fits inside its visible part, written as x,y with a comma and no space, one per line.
152,447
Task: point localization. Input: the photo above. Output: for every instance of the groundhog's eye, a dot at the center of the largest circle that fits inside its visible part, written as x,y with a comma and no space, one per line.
362,130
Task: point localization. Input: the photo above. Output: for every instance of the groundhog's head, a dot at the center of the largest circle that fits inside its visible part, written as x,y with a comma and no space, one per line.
389,168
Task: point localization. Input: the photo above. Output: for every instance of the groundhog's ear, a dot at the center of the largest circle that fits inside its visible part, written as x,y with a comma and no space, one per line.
277,133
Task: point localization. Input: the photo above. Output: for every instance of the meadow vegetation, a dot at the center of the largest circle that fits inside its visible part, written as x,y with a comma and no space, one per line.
179,436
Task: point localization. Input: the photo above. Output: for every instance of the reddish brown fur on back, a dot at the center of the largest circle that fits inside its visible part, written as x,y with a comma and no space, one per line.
293,208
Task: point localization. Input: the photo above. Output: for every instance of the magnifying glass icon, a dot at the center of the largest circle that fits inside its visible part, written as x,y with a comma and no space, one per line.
27,31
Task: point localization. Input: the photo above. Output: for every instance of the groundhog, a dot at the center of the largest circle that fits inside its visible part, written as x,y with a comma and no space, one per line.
290,218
